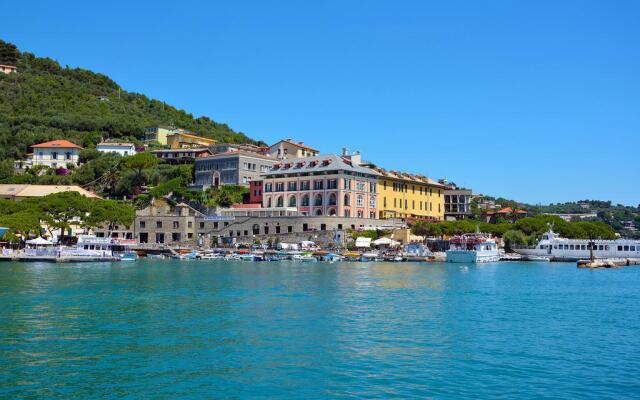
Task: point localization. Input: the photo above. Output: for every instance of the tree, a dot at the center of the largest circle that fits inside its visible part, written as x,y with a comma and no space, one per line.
514,238
139,163
22,223
61,209
109,213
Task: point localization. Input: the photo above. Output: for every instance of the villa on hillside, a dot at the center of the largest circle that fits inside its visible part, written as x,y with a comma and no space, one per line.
124,149
54,154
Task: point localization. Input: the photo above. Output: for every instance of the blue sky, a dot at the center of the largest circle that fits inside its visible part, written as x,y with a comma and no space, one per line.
536,101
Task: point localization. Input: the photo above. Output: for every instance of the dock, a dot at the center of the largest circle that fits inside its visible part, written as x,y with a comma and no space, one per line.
55,259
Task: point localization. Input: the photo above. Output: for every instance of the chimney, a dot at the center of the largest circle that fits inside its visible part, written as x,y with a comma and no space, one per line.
356,159
345,152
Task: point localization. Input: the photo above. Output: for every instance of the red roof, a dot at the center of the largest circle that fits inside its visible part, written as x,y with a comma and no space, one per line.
65,144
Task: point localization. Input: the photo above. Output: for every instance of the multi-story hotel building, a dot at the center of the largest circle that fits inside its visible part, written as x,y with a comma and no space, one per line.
409,196
322,185
230,168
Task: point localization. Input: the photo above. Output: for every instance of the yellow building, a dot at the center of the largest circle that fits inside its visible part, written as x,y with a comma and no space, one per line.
188,141
158,134
414,197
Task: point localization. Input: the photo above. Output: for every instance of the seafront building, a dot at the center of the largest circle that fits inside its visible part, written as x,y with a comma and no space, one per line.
123,149
234,167
408,196
457,202
322,185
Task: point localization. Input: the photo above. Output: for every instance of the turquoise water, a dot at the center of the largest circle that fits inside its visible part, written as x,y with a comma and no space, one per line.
171,329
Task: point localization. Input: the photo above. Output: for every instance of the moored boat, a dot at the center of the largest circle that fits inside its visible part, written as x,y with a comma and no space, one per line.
557,248
473,248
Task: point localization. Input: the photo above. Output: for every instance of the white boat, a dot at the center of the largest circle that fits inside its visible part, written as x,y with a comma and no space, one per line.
304,258
473,248
561,249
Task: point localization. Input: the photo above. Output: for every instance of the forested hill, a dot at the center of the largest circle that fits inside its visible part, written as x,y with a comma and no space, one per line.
45,101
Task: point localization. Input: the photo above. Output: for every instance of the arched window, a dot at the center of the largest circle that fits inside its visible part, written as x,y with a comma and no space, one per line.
292,201
268,202
346,200
318,200
280,202
333,199
318,212
332,212
305,200
255,229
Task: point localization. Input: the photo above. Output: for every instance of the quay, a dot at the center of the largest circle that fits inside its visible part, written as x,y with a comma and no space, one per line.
61,259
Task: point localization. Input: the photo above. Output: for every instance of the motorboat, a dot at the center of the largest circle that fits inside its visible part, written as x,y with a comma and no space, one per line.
473,248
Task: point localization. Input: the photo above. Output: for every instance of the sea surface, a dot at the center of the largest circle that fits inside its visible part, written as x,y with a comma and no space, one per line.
214,329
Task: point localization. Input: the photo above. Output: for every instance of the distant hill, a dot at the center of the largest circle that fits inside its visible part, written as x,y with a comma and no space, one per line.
45,101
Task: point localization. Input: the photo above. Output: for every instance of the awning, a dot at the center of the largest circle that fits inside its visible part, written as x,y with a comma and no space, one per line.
39,242
386,242
363,242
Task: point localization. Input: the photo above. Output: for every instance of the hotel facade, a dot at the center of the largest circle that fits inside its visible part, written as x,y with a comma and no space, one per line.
408,196
328,185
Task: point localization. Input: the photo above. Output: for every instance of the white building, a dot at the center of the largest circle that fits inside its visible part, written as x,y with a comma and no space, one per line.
124,149
56,154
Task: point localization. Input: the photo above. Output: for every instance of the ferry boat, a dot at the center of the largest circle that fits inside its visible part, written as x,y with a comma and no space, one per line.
473,248
558,248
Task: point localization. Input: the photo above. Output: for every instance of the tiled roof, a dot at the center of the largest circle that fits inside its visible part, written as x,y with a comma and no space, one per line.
404,176
64,144
319,163
115,144
291,142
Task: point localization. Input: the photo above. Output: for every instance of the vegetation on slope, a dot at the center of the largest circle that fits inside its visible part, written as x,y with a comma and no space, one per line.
45,101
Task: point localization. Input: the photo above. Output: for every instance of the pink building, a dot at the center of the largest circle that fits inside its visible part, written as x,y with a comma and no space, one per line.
322,185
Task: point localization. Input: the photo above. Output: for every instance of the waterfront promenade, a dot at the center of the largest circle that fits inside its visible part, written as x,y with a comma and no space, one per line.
172,329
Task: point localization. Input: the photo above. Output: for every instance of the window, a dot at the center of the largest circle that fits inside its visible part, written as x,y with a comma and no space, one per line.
143,224
332,184
176,224
372,202
292,187
347,200
360,202
318,200
333,200
189,224
305,185
268,187
67,155
201,225
190,235
360,186
292,201
279,186
318,185
384,202
158,224
305,201
619,248
289,228
347,183
632,248
280,202
626,248
54,155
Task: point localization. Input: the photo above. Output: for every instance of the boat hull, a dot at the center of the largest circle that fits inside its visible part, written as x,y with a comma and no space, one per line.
472,256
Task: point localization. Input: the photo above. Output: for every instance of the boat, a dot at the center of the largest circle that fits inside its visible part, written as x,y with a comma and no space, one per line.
332,257
557,248
473,248
128,256
304,258
370,256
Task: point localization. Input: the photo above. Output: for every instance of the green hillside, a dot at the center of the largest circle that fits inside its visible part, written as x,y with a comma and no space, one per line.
45,101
